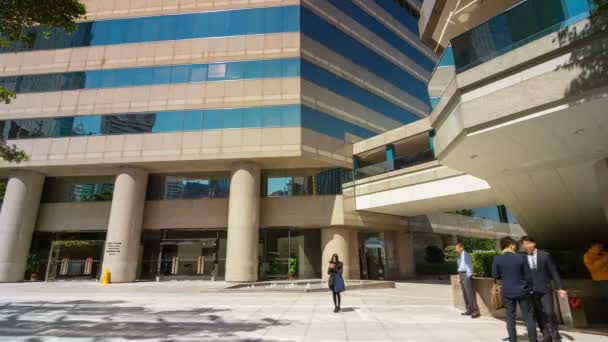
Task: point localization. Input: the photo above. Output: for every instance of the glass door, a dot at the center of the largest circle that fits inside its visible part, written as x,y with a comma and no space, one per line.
193,257
75,259
372,256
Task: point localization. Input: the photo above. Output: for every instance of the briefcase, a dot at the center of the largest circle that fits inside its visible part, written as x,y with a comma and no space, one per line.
496,296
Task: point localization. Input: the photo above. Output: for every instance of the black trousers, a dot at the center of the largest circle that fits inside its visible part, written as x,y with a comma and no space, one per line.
544,314
468,292
527,313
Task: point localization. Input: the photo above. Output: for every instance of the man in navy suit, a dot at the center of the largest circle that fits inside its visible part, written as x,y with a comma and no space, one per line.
511,269
544,272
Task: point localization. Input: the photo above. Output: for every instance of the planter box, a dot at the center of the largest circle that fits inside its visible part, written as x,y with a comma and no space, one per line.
484,300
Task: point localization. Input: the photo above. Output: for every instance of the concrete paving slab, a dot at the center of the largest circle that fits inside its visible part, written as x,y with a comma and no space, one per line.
201,311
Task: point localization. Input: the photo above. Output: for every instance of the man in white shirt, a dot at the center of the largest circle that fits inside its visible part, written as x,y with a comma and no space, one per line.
544,272
465,271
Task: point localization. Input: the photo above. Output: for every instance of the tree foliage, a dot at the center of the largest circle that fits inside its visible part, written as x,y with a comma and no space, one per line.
17,17
599,7
477,244
482,263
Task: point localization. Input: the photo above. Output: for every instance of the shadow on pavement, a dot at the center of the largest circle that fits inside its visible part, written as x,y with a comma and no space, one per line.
117,319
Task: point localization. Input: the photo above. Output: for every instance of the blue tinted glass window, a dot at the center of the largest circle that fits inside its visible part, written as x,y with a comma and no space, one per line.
400,14
193,120
273,20
291,19
162,75
357,94
518,25
113,78
252,117
130,123
172,187
169,27
271,117
87,125
385,33
198,73
168,122
213,119
180,74
150,30
329,125
342,43
290,116
216,72
233,118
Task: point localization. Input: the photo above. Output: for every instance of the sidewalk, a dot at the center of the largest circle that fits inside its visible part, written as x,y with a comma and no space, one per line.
198,311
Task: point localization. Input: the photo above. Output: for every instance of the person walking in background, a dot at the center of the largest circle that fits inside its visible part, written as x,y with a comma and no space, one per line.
465,272
510,268
336,281
543,272
596,260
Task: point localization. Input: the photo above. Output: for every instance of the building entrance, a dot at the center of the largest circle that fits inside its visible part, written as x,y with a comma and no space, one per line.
372,256
289,253
75,259
192,254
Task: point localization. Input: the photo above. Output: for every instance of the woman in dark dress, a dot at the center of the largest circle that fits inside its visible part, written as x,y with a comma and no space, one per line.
335,281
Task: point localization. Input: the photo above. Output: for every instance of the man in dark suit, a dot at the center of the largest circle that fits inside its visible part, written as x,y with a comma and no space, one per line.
511,269
544,272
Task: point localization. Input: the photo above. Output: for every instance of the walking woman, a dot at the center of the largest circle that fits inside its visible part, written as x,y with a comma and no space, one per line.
335,282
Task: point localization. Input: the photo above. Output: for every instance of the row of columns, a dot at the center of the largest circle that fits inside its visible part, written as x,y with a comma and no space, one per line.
20,209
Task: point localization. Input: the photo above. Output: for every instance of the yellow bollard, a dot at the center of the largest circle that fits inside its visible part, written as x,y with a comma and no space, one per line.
105,280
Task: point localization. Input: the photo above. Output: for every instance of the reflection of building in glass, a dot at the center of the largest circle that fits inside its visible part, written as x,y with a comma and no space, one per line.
92,192
127,123
40,128
177,188
174,188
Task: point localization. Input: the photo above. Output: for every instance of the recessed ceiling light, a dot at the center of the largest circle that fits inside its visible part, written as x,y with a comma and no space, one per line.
474,156
579,131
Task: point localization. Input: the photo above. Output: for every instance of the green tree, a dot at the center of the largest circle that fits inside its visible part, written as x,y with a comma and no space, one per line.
476,244
17,17
599,7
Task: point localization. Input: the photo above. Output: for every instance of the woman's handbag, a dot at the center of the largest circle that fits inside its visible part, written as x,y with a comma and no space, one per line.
496,296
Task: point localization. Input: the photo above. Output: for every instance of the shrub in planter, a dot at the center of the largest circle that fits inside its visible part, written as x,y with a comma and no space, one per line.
434,255
482,263
293,267
450,253
33,265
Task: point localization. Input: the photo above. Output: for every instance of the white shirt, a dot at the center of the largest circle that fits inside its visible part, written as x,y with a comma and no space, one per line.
533,260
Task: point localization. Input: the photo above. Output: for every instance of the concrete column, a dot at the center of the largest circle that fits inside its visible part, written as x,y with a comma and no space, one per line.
601,174
243,223
405,255
17,221
345,243
124,227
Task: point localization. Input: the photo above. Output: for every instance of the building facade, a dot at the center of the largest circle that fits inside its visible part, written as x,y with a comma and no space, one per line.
518,119
207,139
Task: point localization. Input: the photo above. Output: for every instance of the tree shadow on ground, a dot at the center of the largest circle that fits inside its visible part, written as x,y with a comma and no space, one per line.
103,320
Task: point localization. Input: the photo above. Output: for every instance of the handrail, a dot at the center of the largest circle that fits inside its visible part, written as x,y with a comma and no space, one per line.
394,164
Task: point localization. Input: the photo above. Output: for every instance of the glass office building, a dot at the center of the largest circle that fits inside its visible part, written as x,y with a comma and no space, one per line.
209,141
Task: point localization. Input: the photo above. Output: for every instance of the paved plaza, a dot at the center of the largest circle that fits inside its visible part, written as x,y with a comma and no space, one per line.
200,311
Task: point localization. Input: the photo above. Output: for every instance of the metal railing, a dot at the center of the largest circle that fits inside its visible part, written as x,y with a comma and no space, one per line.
395,164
